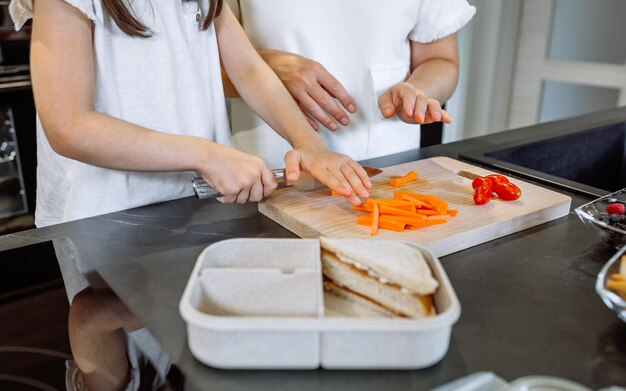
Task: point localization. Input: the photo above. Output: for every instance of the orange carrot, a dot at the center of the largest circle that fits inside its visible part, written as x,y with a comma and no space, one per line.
390,210
435,222
427,212
375,216
453,212
408,177
438,218
390,225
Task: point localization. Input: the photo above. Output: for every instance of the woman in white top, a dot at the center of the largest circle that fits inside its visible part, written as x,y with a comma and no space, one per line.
130,104
367,71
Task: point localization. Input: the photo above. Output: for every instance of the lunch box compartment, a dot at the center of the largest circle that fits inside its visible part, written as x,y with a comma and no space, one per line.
259,304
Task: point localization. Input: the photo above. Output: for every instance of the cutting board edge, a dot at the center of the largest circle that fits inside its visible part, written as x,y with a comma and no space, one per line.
286,221
556,211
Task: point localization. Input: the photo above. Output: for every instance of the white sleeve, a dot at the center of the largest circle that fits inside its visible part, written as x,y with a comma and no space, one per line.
22,10
440,18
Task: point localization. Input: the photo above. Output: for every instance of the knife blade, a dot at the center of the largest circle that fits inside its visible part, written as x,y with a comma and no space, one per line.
305,182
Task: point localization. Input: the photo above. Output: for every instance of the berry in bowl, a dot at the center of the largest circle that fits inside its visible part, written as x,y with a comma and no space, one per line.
607,216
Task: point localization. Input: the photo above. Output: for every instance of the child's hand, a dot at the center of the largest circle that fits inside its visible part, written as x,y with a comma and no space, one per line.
411,105
339,172
238,176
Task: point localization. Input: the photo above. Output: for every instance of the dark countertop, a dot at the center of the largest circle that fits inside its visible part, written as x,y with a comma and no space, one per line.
527,300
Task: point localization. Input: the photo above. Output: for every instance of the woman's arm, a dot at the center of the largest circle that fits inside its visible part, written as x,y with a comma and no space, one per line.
434,74
315,90
266,95
62,71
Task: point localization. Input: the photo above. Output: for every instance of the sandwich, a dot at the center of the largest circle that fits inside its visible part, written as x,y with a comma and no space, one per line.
391,278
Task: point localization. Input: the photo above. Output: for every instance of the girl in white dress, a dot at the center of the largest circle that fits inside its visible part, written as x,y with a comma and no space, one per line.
130,104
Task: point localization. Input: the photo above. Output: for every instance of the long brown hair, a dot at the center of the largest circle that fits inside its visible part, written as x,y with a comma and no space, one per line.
130,25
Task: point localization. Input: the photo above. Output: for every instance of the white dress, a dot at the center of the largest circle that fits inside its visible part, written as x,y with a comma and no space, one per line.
170,82
364,44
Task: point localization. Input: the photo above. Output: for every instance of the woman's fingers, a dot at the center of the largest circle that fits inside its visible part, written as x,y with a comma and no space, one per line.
336,90
421,106
330,106
310,105
386,104
410,101
434,109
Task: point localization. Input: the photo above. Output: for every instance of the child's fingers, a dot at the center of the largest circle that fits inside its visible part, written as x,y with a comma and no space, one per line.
330,180
243,195
360,171
354,181
446,117
268,183
336,172
292,165
256,192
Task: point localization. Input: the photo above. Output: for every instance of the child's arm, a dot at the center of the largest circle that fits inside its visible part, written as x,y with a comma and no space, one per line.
62,70
266,95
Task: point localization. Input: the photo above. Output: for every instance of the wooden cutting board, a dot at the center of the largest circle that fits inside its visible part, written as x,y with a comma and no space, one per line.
314,213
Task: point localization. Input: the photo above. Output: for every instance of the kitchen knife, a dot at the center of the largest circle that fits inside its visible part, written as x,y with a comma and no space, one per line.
305,182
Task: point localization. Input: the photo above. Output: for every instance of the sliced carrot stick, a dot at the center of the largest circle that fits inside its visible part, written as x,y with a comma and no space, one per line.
389,225
438,217
375,216
390,210
393,226
435,222
427,212
405,219
408,177
453,212
414,200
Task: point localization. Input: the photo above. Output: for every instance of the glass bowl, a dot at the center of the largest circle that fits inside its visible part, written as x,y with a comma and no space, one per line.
612,300
591,215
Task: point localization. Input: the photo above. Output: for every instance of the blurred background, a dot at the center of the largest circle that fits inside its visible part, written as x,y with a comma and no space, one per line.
530,61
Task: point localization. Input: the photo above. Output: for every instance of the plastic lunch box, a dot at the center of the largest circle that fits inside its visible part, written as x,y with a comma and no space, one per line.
260,304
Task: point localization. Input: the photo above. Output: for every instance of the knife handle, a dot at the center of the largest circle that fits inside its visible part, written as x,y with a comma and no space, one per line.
204,191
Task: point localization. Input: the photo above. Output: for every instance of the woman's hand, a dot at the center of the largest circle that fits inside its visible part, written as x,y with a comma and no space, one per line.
313,87
339,172
411,105
238,176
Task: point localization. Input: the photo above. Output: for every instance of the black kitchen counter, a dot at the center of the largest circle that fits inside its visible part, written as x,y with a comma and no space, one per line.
528,305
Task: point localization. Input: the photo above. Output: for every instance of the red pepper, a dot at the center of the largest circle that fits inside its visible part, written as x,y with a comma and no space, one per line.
479,181
482,194
496,178
507,191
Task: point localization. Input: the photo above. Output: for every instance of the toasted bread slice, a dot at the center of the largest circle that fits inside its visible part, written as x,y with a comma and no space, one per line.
395,262
391,297
340,301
